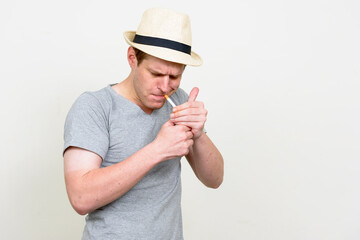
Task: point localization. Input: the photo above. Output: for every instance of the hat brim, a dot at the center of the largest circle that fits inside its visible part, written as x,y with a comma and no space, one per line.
167,54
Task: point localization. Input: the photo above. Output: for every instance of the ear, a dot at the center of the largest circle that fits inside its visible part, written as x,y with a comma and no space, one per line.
131,57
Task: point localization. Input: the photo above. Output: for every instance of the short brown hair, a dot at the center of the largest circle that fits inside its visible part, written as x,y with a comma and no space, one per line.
140,55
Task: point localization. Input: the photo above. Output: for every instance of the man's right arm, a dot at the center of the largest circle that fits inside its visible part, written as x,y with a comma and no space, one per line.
90,187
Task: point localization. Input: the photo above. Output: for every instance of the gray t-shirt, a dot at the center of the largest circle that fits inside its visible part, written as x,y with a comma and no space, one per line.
115,128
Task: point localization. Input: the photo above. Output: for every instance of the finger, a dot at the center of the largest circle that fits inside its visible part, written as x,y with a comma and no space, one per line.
190,142
191,125
193,94
189,134
188,105
189,112
193,118
169,123
183,128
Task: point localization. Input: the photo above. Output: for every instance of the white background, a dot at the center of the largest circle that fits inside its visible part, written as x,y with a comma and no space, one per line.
281,81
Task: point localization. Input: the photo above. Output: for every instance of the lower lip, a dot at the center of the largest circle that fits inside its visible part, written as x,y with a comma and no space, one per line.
159,97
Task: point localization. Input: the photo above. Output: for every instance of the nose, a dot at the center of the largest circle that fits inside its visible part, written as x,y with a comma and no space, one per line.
164,84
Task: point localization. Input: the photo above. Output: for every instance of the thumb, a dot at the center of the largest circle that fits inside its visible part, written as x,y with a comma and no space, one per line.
193,94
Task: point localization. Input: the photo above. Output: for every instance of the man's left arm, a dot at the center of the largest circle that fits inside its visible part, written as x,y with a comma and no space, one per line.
204,158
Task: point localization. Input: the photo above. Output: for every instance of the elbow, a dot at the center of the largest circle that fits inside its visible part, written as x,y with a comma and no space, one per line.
216,184
81,210
212,183
80,205
219,178
214,180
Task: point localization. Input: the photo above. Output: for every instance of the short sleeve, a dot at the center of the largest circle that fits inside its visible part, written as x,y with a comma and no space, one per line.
86,126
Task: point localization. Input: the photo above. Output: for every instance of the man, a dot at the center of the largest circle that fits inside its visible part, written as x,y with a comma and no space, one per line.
123,143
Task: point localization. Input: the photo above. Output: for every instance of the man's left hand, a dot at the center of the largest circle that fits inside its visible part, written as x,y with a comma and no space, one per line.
191,114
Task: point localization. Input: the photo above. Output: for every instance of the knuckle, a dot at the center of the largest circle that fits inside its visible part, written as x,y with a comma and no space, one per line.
186,152
191,134
183,128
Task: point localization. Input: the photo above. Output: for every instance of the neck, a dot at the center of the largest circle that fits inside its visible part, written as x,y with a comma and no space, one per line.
126,89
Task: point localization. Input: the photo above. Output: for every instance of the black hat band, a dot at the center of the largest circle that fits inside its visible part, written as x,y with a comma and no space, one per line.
160,42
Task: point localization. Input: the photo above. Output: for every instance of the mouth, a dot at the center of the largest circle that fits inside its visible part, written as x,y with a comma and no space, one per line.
158,97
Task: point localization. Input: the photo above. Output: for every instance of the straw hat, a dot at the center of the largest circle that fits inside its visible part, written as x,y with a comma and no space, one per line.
164,34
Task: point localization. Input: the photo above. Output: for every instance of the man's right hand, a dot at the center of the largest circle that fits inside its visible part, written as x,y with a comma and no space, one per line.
173,141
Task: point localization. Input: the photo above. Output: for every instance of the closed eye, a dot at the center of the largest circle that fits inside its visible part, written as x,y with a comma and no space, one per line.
174,77
155,74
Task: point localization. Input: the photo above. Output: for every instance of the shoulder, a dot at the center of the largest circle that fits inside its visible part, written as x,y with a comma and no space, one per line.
95,99
90,104
86,125
101,96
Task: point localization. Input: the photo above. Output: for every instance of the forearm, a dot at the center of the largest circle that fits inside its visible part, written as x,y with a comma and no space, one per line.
206,161
91,189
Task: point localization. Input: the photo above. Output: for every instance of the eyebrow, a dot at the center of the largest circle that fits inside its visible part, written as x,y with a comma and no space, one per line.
162,74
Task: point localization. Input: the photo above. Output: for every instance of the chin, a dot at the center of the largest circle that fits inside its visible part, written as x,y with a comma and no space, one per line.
157,105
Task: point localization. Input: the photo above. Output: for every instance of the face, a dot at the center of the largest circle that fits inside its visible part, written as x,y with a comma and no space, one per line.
152,79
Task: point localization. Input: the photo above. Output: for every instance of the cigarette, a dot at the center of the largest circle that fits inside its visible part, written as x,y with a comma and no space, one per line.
170,101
